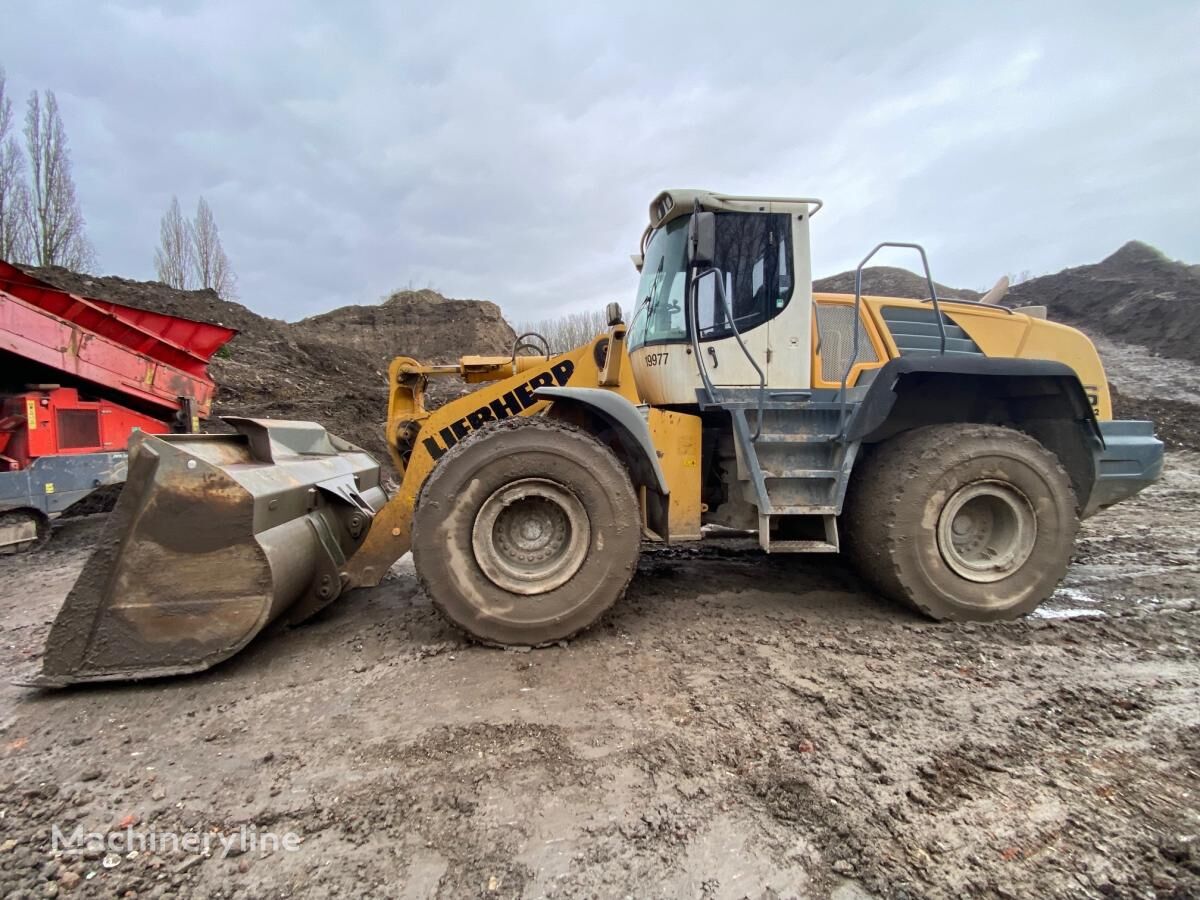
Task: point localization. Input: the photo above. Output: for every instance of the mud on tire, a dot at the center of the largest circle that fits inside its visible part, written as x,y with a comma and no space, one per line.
526,532
963,522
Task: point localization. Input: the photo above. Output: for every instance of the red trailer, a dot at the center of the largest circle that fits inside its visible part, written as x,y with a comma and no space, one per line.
77,376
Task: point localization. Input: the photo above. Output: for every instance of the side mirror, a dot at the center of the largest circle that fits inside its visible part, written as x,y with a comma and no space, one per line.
702,238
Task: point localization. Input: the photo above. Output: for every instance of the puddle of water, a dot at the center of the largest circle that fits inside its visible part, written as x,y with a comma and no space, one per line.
1074,595
1043,613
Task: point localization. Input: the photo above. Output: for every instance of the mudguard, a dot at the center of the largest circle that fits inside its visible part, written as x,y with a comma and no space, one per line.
626,420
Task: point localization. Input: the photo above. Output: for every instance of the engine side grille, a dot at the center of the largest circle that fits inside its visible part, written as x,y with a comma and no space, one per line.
916,331
835,323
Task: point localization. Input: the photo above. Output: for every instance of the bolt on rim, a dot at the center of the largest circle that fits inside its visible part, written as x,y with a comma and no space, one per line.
986,531
531,536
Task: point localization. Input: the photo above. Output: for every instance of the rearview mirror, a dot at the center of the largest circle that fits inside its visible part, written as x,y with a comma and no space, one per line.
702,238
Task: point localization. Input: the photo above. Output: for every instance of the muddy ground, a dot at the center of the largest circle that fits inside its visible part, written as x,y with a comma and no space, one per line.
739,726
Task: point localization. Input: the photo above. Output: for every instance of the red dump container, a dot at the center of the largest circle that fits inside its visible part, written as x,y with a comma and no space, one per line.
149,356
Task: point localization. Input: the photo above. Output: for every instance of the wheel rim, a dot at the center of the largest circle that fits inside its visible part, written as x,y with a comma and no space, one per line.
986,531
531,536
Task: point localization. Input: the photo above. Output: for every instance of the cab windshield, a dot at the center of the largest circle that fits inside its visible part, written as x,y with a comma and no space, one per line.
658,312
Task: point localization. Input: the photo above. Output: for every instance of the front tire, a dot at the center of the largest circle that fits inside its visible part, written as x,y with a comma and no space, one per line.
963,522
526,532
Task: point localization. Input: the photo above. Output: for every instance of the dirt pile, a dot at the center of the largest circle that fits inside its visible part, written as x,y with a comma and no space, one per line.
888,281
204,305
331,368
1136,295
422,324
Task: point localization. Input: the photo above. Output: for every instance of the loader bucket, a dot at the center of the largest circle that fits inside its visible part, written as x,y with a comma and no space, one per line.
213,538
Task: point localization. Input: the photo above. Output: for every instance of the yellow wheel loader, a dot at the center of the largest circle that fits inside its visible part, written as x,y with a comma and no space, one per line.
952,446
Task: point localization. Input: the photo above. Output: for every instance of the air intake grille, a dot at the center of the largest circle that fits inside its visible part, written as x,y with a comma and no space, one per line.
78,429
835,323
916,331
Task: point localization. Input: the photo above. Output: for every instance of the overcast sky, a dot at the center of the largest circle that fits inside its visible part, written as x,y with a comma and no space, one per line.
509,151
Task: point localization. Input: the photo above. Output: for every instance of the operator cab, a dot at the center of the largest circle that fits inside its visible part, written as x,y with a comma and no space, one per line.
759,271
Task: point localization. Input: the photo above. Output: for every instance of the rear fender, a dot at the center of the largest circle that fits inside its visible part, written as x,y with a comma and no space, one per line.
901,391
1043,398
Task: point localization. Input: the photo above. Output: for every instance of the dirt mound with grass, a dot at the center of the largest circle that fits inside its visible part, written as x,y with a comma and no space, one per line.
888,281
421,324
1137,295
330,368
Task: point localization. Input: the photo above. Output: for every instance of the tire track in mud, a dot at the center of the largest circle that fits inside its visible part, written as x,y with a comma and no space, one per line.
736,725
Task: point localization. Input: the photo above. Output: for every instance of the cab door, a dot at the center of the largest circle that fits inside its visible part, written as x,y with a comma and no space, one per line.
753,267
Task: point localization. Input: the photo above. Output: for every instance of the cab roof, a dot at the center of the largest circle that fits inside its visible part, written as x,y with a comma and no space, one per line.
676,202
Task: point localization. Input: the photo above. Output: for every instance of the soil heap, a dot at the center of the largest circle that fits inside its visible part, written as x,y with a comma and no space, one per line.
1136,295
330,368
422,324
888,281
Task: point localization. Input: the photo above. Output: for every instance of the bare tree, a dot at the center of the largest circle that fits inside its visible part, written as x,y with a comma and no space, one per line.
15,245
212,265
175,258
54,219
568,331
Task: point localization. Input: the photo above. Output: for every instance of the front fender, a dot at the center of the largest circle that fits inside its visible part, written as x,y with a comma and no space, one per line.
626,420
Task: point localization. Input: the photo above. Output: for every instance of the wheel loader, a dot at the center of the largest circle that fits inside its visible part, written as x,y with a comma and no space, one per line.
949,447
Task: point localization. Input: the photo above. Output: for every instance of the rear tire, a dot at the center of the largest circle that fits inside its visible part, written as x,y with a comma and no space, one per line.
526,532
963,522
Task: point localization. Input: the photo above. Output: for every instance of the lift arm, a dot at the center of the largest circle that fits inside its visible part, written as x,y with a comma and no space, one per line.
417,438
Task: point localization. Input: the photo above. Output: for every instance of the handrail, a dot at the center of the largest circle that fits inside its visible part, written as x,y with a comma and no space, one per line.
694,334
1009,310
521,344
842,404
742,198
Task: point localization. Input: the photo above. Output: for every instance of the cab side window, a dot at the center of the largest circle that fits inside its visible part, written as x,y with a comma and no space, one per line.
753,261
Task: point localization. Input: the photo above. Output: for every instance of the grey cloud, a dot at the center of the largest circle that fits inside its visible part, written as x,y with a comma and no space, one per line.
510,151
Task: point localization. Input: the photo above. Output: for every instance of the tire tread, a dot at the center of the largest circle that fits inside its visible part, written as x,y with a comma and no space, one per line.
554,430
872,516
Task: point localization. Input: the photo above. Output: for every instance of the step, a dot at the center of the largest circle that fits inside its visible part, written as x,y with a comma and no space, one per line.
802,473
780,541
801,547
803,511
791,396
778,438
769,405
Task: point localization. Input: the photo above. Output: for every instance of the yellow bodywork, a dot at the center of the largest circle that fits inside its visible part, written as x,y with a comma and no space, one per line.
676,437
417,437
998,334
509,384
